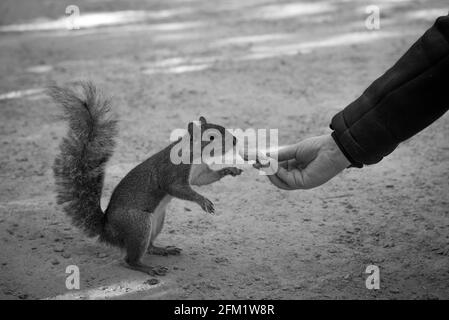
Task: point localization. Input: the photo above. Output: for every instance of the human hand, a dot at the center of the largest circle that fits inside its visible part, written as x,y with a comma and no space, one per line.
308,163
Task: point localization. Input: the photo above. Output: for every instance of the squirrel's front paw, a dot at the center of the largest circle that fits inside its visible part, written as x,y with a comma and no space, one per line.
231,171
207,205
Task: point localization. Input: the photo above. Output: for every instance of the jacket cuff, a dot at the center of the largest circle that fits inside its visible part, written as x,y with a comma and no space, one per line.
344,140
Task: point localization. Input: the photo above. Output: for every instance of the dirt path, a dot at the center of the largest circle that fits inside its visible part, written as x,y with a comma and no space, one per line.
245,64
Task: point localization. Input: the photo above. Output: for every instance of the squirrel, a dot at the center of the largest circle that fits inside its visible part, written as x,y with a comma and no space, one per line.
136,211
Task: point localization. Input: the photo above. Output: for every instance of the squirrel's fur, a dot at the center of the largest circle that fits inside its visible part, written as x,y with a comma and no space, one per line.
136,211
79,168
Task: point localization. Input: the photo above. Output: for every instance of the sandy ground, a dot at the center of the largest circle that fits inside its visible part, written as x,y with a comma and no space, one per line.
244,64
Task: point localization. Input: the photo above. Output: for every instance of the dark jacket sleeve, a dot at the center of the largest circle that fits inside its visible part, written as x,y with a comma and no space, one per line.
403,101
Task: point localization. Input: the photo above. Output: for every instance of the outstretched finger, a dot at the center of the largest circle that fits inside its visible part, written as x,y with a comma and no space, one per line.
284,153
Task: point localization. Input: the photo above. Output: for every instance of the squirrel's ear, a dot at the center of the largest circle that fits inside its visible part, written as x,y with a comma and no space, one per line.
203,120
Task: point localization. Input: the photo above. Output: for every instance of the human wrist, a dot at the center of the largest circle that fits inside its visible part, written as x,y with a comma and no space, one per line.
338,155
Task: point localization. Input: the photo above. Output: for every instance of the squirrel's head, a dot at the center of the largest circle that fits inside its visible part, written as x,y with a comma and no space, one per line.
215,137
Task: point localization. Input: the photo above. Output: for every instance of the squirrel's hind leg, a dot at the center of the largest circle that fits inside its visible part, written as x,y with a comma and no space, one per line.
152,271
156,225
136,244
164,251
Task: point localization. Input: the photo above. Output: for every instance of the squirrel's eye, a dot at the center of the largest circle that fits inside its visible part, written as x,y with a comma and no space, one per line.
212,138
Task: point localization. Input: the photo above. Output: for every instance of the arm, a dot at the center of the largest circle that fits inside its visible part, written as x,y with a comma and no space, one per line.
406,99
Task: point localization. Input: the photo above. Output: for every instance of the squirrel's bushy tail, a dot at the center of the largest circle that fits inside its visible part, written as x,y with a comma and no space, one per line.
80,166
